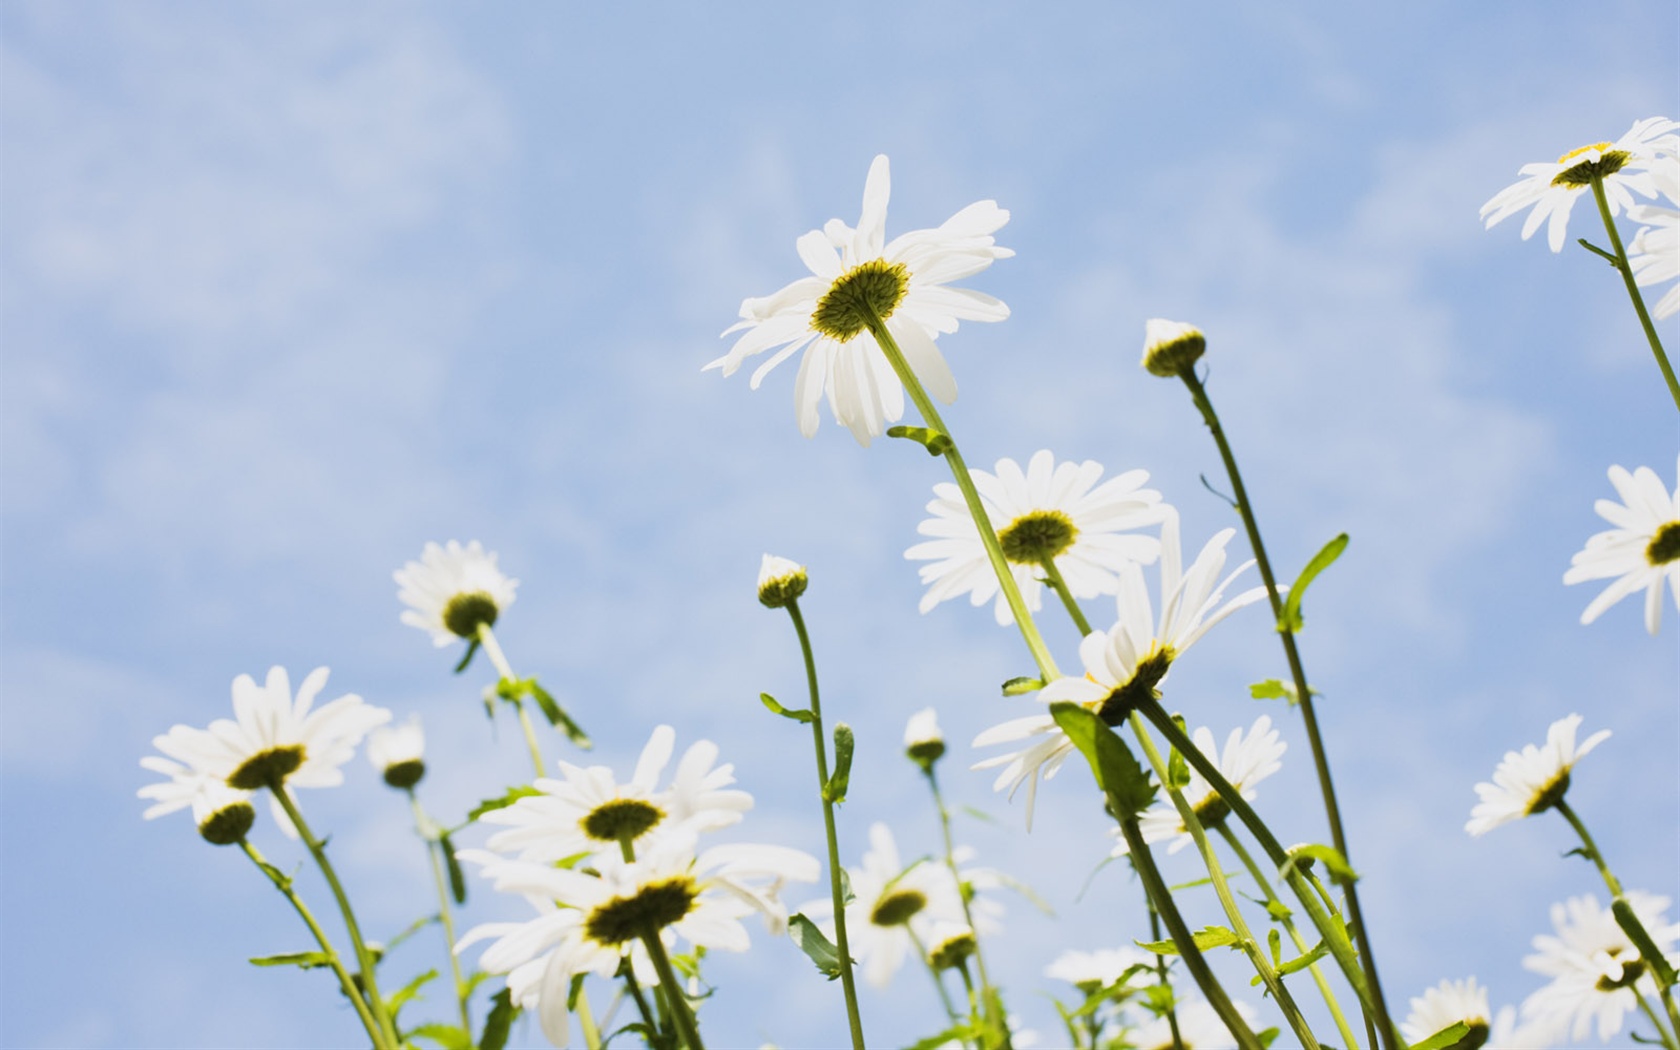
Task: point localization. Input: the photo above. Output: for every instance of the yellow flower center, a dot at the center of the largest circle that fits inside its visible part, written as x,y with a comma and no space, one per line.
1580,174
870,291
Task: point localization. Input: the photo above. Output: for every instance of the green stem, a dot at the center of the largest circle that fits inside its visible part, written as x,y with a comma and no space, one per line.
675,998
1053,576
434,853
493,649
1667,1038
635,988
1198,393
971,497
1161,971
836,883
944,994
1621,264
1221,888
1289,927
586,1021
364,957
284,885
996,1015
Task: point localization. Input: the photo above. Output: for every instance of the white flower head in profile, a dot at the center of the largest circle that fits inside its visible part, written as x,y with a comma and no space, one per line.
1169,347
1445,1005
1125,665
1089,971
858,276
1597,974
1654,253
923,741
453,589
1249,757
1532,780
1641,551
1551,189
1054,511
399,753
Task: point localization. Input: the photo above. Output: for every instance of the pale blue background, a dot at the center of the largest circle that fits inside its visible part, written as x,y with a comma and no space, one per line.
290,290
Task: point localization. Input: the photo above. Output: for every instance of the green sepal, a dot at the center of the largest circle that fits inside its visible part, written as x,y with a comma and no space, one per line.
1290,619
1274,941
472,647
499,1023
457,878
835,789
1340,870
1178,770
513,794
401,997
1021,685
936,442
962,1034
302,960
448,1036
514,690
1452,1037
1205,938
1117,772
1641,938
801,716
818,948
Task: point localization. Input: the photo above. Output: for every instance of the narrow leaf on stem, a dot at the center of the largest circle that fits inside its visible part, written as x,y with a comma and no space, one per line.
1291,619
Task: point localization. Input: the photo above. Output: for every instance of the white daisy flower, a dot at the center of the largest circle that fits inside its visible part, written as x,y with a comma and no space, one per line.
222,814
1533,780
1595,969
451,590
906,283
1445,1005
1124,666
1551,189
1055,511
399,753
780,581
1654,254
1641,551
588,922
589,811
923,741
1199,1028
1248,758
1089,971
1169,347
893,907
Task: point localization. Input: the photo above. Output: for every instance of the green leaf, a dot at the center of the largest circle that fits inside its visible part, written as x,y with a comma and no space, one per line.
846,894
512,795
1022,686
499,1023
413,928
400,998
457,879
935,442
1290,621
962,1034
448,1036
1274,941
557,716
1278,910
1301,962
801,716
817,947
472,647
1272,689
1641,938
1340,870
1117,772
1452,1037
835,789
302,960
1178,770
1205,938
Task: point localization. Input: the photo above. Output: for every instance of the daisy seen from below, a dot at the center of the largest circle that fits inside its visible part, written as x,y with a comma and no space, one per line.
1089,971
1125,665
588,811
1597,975
453,589
1532,780
1641,551
1654,254
1445,1005
399,753
1551,189
1049,512
222,814
858,276
1248,758
588,922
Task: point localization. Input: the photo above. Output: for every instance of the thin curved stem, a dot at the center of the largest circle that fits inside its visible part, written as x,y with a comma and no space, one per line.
1321,763
493,649
345,981
364,958
1668,1039
848,980
1053,576
434,853
1622,267
1161,971
992,1000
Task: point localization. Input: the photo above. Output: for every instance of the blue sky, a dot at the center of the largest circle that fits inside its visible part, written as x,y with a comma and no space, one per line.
290,290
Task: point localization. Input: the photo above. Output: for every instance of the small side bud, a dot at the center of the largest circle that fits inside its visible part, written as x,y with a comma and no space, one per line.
1169,347
780,581
398,753
224,815
923,741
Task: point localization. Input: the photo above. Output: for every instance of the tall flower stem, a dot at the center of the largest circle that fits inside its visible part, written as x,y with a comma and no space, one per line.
675,999
364,958
1663,1035
995,1014
493,649
1053,576
1657,963
836,883
1289,927
1251,947
1622,267
971,496
348,984
1321,763
927,964
1161,972
424,824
